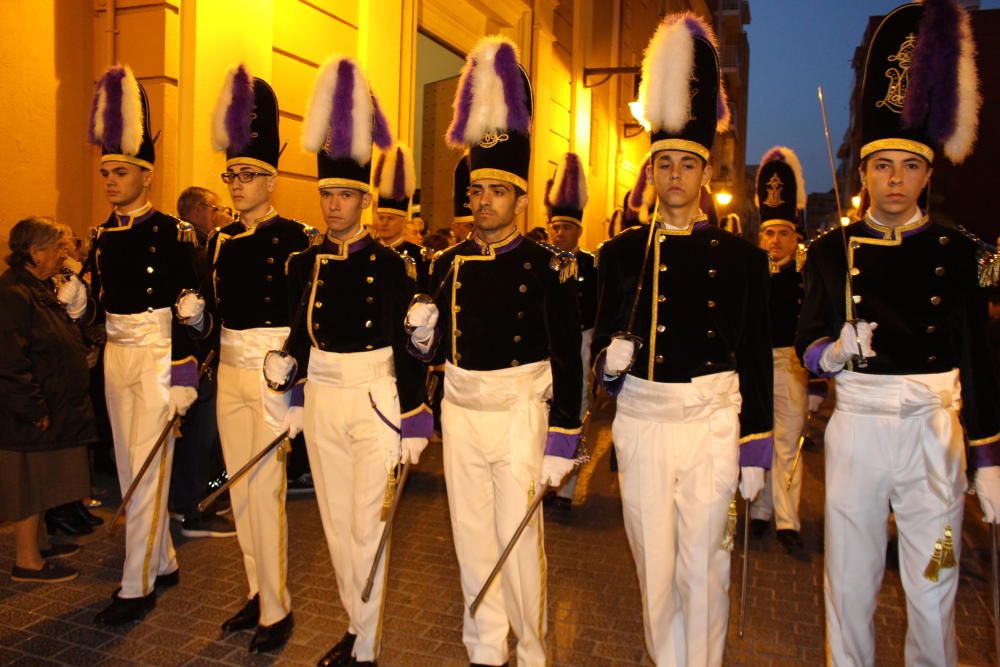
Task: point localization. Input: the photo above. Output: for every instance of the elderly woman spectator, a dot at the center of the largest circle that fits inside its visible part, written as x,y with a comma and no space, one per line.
46,419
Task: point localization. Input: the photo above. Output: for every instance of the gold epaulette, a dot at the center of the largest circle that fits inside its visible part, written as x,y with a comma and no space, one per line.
411,266
989,268
597,254
186,233
315,238
800,257
562,262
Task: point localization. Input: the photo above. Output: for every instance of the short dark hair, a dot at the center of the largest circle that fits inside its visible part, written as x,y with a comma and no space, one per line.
190,198
33,232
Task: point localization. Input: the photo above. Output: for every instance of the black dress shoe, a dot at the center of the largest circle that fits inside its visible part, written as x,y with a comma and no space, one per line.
340,654
246,618
56,551
758,528
791,540
64,521
482,664
271,637
162,582
124,610
85,516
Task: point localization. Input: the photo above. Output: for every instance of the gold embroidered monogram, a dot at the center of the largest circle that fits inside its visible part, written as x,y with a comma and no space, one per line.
491,139
899,76
774,188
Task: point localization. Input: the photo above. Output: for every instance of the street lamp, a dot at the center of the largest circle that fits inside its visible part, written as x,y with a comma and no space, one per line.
723,198
844,220
856,202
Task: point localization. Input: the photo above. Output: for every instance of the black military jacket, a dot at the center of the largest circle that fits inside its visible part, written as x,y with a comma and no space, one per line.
919,282
358,294
142,263
249,286
787,292
504,305
705,312
420,271
586,287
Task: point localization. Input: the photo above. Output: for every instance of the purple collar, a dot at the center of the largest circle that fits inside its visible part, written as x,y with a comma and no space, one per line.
498,248
345,248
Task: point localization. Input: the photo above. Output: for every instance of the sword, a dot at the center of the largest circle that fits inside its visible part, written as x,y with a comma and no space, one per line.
996,592
505,554
798,453
746,568
386,531
271,446
283,352
152,453
859,359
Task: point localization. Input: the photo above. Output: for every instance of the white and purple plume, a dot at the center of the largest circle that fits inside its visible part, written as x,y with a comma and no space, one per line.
395,176
569,185
116,121
343,117
231,119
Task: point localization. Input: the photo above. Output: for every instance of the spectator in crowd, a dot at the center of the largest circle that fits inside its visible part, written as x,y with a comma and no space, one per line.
538,234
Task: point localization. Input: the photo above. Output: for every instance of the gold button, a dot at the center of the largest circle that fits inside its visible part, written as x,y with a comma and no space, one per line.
939,271
713,242
520,314
318,304
515,362
315,325
660,328
319,283
323,261
710,333
371,257
270,260
267,322
711,304
274,240
931,328
156,228
709,363
522,289
661,298
149,269
369,347
458,309
267,299
855,245
322,345
527,266
269,278
370,279
712,273
369,299
663,267
931,359
458,333
659,359
368,324
935,300
944,240
152,249
458,357
149,290
517,339
855,271
150,309
856,298
458,285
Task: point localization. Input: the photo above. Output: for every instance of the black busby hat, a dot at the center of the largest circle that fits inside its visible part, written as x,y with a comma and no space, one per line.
415,204
342,122
781,189
460,195
119,119
245,122
395,180
920,91
566,196
681,94
492,113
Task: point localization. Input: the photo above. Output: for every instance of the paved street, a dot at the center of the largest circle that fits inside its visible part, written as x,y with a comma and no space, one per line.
594,602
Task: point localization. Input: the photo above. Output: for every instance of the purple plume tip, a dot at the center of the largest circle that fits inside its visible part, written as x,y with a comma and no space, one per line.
399,177
239,109
569,189
463,107
113,121
342,119
505,64
380,126
932,96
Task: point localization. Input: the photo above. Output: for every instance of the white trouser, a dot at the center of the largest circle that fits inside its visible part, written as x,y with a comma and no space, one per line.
250,417
790,383
137,389
494,425
892,439
351,450
587,336
678,466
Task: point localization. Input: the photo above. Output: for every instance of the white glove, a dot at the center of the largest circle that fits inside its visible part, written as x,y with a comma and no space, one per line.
815,401
555,469
850,344
988,489
278,367
293,421
751,481
422,318
181,399
73,265
73,296
618,356
191,309
412,448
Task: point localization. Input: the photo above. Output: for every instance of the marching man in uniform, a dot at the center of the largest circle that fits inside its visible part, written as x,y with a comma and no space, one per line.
393,210
144,258
364,394
689,360
508,327
781,200
894,312
565,201
248,296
